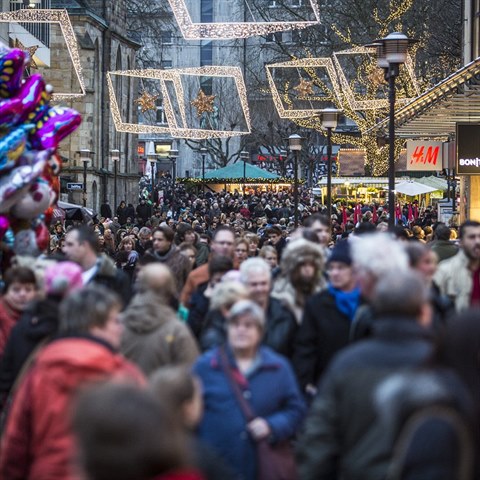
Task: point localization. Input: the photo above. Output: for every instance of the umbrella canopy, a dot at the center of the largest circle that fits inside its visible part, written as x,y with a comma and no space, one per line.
412,189
76,212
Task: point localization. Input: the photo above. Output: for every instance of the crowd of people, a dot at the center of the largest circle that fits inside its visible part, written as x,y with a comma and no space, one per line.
208,338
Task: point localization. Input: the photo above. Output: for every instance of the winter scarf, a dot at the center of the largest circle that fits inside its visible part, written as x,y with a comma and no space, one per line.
346,302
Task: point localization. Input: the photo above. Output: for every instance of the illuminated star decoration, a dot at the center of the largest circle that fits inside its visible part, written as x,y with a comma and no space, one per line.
147,101
377,77
30,50
304,88
203,103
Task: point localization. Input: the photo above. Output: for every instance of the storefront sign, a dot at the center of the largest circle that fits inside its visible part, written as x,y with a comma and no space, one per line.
424,156
468,149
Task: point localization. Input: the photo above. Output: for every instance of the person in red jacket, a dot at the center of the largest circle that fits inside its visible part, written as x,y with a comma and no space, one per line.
38,442
20,289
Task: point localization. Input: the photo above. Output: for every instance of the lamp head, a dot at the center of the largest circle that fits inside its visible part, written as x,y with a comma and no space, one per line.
295,142
329,118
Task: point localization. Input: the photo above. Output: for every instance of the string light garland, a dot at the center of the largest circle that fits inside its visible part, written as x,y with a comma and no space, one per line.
174,76
61,18
147,101
203,103
30,50
234,30
309,65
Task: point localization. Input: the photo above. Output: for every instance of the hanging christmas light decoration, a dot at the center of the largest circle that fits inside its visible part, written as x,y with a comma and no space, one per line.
203,103
304,88
174,76
61,18
284,104
369,79
233,30
147,101
30,50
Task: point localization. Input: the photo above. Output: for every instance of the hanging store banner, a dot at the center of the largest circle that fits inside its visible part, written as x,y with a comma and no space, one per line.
468,149
424,156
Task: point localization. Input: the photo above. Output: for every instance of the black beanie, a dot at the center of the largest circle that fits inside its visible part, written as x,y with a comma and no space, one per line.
341,253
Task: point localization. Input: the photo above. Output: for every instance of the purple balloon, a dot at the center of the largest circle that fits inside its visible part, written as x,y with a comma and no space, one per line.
12,65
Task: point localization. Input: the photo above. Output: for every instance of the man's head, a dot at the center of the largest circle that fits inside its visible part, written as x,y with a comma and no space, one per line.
402,294
162,239
81,246
158,279
470,239
274,235
223,242
93,310
320,224
144,235
339,267
255,274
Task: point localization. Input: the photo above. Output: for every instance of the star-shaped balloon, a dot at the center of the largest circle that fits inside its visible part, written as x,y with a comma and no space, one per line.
203,103
30,50
147,101
304,88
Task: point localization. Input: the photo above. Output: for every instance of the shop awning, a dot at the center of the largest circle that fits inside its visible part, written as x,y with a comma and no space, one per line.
413,188
435,182
235,171
456,99
370,181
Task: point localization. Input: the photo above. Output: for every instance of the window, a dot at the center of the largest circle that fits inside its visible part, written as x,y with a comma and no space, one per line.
206,54
297,3
274,37
166,38
160,117
272,3
167,64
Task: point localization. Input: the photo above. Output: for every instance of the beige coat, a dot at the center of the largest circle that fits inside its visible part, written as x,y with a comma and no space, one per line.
154,336
454,279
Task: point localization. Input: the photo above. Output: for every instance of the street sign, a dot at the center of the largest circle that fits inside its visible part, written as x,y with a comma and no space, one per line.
75,186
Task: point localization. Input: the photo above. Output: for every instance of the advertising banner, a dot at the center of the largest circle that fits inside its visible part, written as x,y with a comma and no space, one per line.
468,149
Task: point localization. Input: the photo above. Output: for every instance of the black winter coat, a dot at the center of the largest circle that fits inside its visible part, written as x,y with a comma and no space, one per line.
344,437
323,332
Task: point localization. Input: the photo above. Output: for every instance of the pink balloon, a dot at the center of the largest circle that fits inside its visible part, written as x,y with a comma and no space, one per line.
54,127
4,225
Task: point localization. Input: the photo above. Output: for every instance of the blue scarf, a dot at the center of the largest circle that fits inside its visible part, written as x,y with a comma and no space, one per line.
346,302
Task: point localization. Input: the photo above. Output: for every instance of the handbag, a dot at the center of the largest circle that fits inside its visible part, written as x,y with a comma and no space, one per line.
274,461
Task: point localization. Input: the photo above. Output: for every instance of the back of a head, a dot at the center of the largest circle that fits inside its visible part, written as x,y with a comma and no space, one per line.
226,293
400,294
251,265
86,308
442,232
157,278
124,433
378,254
219,264
316,217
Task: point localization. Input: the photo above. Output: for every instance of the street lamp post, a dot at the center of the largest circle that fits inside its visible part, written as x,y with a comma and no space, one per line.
244,157
295,145
173,158
115,156
152,158
203,152
391,54
329,119
85,154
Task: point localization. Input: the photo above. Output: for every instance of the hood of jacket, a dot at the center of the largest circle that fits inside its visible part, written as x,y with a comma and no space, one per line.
147,312
299,251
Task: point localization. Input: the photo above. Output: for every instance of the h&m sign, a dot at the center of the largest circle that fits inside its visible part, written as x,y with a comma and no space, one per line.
468,149
424,156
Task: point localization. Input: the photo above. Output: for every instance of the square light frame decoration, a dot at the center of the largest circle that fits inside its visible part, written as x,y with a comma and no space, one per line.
293,114
374,104
174,75
233,30
59,16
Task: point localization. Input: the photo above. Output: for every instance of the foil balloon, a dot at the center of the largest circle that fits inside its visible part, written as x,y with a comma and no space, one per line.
10,111
4,225
42,236
54,127
9,238
25,243
36,200
12,146
30,94
12,64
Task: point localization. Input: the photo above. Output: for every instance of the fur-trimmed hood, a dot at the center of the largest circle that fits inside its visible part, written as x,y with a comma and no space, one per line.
297,252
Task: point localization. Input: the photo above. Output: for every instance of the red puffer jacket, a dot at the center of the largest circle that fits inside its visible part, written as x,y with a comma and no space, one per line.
38,442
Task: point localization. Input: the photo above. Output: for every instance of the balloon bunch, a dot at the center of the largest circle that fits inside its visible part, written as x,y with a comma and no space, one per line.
30,131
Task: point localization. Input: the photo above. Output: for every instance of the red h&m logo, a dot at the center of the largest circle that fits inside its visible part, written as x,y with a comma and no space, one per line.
419,156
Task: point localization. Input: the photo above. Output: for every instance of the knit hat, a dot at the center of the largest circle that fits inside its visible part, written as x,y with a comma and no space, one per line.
62,278
341,253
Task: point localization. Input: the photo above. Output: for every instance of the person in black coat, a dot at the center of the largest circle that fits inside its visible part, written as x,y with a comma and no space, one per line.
327,318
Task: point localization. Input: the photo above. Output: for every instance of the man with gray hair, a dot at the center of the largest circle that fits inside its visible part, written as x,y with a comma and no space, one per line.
343,436
281,326
374,256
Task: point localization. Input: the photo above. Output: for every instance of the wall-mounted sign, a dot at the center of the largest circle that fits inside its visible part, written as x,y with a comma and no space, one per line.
468,149
424,156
